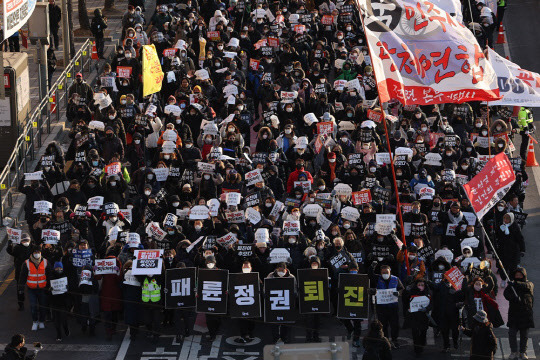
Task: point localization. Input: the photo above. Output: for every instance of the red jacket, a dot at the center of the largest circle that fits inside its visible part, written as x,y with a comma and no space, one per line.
294,177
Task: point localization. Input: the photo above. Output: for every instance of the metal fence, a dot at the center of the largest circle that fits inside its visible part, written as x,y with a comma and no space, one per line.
39,123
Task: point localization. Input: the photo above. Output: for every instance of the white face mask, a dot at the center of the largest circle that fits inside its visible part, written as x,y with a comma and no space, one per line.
123,102
166,157
281,273
289,109
265,136
424,128
441,267
113,183
137,141
129,206
147,193
37,256
111,117
332,160
347,226
314,267
210,265
470,233
288,131
321,188
292,241
268,205
365,146
464,167
25,244
500,208
478,125
246,270
484,133
188,146
206,177
372,169
198,227
386,276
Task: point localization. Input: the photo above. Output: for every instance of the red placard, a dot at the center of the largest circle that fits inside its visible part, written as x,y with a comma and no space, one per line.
454,277
169,52
327,20
7,83
376,116
213,35
324,128
490,185
254,64
123,71
273,42
361,197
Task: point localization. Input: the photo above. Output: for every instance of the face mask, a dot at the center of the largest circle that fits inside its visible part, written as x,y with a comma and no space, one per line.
268,205
412,257
288,131
332,160
328,211
210,265
147,193
448,154
37,256
198,227
171,232
208,141
500,208
206,177
386,276
129,206
149,176
246,270
281,273
298,196
477,287
123,102
265,136
365,146
128,55
111,117
347,226
470,233
113,183
372,169
220,47
484,133
166,157
349,28
314,267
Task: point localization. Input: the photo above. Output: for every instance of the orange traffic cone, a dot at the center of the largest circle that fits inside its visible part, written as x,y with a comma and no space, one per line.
531,159
500,37
94,51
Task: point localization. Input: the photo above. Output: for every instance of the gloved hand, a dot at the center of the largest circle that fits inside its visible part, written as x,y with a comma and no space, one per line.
121,216
395,293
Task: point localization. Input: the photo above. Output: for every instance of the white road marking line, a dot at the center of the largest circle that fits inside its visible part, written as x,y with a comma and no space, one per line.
504,349
195,347
530,349
124,347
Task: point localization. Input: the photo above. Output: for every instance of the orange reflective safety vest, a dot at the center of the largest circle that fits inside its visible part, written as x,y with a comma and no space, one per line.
36,276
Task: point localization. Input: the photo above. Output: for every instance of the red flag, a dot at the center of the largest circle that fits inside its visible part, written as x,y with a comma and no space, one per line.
490,185
422,55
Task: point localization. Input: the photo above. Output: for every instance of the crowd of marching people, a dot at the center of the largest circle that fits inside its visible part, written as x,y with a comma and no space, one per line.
267,132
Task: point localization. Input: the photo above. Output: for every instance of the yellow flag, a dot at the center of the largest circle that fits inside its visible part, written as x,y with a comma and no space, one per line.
151,71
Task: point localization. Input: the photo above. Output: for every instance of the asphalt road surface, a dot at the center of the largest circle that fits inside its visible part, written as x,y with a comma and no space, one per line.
522,22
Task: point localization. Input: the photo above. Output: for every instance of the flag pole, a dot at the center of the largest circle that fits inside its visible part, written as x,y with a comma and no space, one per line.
398,203
497,258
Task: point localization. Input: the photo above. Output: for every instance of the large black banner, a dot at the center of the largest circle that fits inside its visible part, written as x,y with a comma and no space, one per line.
313,291
212,291
244,295
180,288
279,300
353,301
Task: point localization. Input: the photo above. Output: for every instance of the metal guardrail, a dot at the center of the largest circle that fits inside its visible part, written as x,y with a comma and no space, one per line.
39,123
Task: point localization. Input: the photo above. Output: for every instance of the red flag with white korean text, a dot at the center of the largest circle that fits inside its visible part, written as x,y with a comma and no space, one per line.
490,185
423,55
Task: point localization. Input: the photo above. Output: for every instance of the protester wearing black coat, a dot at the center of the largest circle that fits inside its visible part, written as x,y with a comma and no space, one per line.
520,311
511,243
483,340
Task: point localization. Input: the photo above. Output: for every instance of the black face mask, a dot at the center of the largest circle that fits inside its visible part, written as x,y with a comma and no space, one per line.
299,166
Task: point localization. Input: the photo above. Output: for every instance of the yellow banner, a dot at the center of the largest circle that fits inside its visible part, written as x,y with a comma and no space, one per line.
152,75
